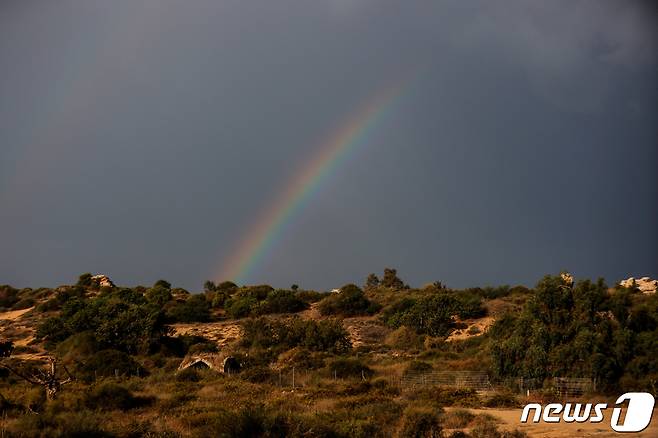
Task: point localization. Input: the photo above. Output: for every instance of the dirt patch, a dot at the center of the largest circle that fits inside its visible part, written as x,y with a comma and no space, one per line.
14,314
365,331
312,312
222,333
509,419
476,327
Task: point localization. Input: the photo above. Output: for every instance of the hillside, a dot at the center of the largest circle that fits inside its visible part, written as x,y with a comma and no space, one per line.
380,360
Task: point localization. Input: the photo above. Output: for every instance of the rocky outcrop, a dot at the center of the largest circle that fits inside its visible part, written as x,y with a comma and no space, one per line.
102,280
645,284
567,278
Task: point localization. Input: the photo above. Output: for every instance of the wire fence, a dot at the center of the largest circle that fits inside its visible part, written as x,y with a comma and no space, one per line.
472,380
476,380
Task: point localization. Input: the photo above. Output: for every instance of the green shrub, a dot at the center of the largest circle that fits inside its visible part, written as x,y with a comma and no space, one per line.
52,330
188,375
84,424
344,368
258,293
195,309
239,307
351,301
458,419
310,296
325,335
421,424
24,303
249,421
431,315
281,301
503,400
110,396
417,366
8,296
78,346
61,297
159,295
203,347
109,363
465,398
258,374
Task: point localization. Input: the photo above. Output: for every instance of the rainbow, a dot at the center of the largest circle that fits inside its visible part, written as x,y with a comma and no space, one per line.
261,237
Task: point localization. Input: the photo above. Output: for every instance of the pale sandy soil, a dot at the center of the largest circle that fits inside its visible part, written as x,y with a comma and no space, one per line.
482,324
311,313
13,326
510,420
14,314
220,332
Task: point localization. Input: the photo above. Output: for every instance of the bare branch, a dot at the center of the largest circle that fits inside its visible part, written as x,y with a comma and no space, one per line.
22,376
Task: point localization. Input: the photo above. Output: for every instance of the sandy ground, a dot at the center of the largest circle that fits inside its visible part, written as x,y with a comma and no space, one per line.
482,325
220,332
510,420
14,314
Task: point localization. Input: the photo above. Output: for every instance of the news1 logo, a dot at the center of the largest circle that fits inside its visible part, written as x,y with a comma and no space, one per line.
638,413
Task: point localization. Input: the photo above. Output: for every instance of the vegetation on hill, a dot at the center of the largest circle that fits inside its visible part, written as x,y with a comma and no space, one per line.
343,355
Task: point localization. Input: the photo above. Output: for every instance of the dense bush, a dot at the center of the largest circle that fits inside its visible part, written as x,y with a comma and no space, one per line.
344,368
240,307
327,335
417,366
23,303
432,314
121,321
108,363
262,300
159,295
60,298
188,375
281,301
421,424
85,424
351,301
110,396
8,296
579,331
195,309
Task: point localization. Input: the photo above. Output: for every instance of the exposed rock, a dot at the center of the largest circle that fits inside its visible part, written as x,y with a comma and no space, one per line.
102,280
645,284
567,278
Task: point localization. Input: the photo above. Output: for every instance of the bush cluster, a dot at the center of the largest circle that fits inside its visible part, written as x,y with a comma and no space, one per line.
351,301
326,335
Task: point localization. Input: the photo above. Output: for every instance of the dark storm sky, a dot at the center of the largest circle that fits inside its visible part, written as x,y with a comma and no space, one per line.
140,139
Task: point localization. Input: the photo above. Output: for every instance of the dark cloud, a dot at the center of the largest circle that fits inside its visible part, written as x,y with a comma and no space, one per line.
140,138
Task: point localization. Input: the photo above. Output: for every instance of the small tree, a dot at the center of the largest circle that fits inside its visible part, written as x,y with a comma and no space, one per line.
162,283
84,280
372,282
209,286
391,279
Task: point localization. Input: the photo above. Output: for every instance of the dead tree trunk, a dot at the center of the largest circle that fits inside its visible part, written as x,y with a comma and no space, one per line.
46,378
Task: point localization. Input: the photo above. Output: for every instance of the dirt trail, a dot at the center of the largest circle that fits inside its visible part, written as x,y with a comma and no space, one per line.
510,420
